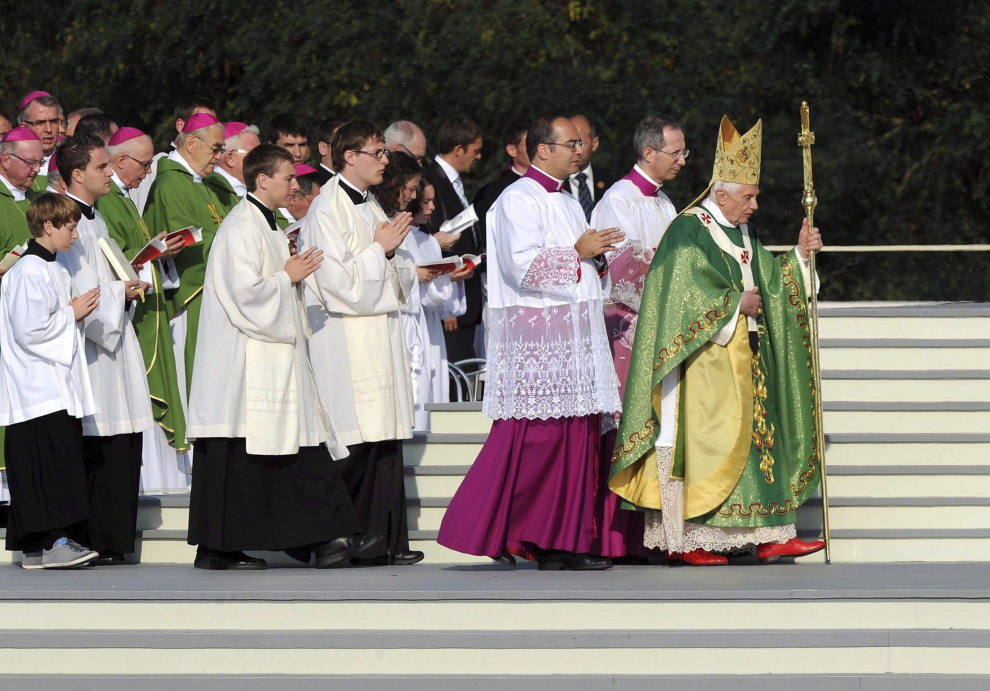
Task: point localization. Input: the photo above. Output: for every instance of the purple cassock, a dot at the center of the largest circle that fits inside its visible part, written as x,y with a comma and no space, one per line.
549,380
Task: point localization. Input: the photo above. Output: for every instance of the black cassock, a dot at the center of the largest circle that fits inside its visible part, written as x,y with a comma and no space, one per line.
245,502
374,476
113,474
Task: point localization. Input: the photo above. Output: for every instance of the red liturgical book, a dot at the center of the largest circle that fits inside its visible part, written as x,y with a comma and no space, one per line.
155,248
450,264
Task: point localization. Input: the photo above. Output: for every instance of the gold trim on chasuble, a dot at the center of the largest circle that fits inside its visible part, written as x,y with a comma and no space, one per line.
639,484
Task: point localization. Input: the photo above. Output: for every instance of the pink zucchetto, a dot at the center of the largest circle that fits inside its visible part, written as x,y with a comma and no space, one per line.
124,134
31,96
21,134
303,169
231,129
199,121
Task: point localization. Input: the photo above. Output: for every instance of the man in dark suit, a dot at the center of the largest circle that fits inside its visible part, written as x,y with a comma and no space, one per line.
325,170
589,184
459,144
514,143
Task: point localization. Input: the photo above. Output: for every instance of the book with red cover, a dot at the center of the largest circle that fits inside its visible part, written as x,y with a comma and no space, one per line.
451,264
155,248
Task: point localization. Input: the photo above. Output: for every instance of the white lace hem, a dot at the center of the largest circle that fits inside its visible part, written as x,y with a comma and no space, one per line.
549,362
668,530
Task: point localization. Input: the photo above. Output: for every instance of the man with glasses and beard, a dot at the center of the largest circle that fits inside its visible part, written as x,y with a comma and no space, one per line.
531,491
358,347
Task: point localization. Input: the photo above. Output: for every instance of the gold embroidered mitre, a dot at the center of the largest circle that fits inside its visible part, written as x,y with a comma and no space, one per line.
737,158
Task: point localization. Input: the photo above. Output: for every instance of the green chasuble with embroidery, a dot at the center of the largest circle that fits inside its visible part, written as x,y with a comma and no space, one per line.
225,194
744,439
151,319
175,201
13,221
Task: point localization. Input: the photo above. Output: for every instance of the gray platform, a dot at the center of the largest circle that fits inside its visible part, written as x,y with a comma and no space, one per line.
742,580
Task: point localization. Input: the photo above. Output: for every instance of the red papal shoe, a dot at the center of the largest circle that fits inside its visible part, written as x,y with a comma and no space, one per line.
771,554
697,557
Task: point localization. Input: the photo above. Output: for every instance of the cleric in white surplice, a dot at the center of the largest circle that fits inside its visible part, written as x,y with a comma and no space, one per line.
263,477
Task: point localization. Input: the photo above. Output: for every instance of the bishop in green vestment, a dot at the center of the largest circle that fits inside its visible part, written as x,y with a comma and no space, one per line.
131,153
178,198
718,431
227,178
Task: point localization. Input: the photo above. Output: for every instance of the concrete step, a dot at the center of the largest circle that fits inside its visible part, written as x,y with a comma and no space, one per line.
904,354
906,385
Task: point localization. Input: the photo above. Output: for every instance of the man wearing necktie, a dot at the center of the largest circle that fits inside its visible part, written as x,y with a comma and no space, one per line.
459,144
588,185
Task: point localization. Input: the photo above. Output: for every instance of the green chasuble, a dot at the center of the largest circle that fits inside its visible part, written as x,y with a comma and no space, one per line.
224,193
13,232
151,319
745,440
175,201
39,186
281,221
13,221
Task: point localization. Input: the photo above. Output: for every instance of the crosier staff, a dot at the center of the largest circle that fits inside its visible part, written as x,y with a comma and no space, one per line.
805,139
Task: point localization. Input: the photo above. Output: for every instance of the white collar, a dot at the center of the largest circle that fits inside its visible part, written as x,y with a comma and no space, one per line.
717,214
587,171
364,195
647,177
517,171
177,157
45,160
19,195
448,169
117,181
327,168
240,189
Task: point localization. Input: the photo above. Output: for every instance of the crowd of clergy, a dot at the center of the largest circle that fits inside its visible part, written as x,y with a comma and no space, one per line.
260,324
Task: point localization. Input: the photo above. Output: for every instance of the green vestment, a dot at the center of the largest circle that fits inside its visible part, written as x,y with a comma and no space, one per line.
224,193
151,319
281,222
13,232
39,186
176,201
741,468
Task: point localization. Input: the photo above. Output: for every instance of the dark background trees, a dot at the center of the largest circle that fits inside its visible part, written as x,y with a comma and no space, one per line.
899,90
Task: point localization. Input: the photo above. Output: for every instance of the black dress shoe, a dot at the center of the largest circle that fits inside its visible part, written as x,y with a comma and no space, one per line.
505,559
109,559
380,560
568,561
407,558
344,548
213,560
631,560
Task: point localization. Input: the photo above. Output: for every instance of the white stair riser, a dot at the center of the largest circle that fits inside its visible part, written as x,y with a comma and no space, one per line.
909,486
898,390
907,454
492,615
414,662
904,358
908,517
904,327
416,454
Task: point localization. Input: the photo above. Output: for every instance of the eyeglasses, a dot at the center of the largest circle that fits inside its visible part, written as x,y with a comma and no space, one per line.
216,149
381,154
54,122
29,164
419,159
571,144
144,164
677,154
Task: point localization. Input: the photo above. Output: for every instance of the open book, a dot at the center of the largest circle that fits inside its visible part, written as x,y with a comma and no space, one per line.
460,222
155,248
118,262
450,264
12,256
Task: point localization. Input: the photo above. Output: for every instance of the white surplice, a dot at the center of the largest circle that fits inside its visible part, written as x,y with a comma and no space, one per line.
548,353
252,377
113,353
43,368
353,301
422,316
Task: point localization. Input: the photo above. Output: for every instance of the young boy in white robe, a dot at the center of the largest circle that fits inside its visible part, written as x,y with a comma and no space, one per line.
45,391
113,437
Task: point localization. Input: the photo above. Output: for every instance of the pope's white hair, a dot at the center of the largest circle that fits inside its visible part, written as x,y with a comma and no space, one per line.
730,188
234,143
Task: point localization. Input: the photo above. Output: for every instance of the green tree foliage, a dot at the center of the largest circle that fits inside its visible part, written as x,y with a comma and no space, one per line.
899,91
